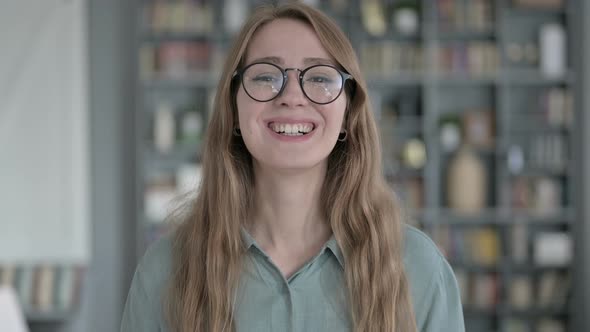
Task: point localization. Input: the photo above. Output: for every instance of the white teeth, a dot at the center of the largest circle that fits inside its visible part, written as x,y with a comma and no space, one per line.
296,129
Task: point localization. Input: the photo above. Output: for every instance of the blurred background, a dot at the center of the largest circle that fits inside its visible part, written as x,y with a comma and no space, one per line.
481,105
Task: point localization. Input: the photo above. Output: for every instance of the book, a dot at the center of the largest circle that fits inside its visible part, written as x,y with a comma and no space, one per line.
64,291
519,242
24,285
478,128
44,288
521,292
516,325
553,249
485,246
463,282
553,289
485,291
79,272
7,275
550,325
474,59
539,4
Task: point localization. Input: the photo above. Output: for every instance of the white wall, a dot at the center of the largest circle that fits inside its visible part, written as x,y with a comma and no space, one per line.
44,200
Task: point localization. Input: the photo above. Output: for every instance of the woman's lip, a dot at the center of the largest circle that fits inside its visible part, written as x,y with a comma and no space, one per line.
295,138
291,121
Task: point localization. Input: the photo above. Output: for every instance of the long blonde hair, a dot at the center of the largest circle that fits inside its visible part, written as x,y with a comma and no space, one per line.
362,210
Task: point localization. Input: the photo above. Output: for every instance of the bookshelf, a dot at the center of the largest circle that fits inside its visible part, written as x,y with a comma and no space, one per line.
47,292
477,129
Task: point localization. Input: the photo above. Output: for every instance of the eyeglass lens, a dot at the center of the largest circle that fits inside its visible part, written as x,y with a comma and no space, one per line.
321,84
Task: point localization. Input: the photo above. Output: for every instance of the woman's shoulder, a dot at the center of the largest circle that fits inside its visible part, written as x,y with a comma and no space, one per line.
434,290
424,264
155,265
419,247
143,308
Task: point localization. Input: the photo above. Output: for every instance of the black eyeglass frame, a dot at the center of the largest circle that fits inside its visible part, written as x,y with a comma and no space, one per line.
240,74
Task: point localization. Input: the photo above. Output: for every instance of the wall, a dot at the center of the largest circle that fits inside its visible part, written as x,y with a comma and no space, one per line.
581,303
111,30
111,46
43,133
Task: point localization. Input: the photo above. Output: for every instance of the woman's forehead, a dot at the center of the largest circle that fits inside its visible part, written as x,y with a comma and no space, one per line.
307,61
285,41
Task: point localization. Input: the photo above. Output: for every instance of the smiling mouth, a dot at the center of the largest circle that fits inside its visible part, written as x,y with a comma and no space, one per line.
291,129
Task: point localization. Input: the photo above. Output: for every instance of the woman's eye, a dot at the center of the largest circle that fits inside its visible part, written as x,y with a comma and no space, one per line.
264,79
319,79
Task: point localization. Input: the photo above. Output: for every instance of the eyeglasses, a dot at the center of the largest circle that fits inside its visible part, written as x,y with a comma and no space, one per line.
322,84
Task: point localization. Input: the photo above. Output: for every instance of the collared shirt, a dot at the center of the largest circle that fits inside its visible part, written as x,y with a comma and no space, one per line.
312,299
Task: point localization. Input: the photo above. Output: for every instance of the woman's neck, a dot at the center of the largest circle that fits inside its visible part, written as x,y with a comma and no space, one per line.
288,216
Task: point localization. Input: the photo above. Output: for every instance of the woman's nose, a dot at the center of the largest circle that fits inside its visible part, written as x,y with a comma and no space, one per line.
292,94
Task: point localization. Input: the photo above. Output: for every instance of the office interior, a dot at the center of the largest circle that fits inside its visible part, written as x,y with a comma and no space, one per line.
481,106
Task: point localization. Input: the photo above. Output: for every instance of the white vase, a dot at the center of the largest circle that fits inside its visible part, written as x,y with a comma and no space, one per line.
467,183
234,14
553,50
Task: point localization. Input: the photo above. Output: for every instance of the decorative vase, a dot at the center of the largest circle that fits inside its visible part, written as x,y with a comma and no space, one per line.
467,184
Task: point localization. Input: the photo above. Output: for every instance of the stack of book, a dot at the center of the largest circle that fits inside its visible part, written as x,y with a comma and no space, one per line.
388,57
164,17
473,15
44,288
174,59
475,58
478,290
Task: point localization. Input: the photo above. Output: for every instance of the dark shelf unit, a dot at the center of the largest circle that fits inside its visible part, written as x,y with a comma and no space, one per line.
410,100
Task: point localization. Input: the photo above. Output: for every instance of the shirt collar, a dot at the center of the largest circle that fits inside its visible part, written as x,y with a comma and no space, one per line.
250,242
335,248
332,244
247,238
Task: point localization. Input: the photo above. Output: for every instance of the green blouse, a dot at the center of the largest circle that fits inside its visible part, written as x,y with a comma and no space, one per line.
312,299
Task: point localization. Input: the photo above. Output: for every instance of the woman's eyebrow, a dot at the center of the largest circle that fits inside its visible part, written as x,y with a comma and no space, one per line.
317,61
272,59
306,61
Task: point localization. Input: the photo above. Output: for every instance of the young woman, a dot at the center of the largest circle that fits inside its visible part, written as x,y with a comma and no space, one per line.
294,227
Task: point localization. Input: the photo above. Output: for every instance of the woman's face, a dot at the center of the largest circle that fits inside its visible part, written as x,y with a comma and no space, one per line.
289,43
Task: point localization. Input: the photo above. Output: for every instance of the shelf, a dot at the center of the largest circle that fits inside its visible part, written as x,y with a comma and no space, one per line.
562,216
513,77
504,265
502,310
534,77
56,316
536,11
169,161
181,151
463,79
535,312
493,217
441,72
542,172
469,310
480,151
519,268
395,36
203,80
473,267
446,36
539,129
395,79
156,224
159,37
404,173
407,126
